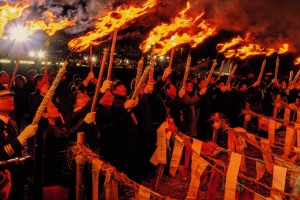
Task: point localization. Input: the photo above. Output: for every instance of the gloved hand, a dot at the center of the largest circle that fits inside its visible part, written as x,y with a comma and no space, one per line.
166,73
202,91
181,92
90,76
225,88
28,132
149,88
93,80
90,117
44,90
130,103
106,85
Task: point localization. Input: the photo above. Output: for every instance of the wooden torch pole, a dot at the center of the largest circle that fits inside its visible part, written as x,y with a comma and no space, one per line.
112,52
15,69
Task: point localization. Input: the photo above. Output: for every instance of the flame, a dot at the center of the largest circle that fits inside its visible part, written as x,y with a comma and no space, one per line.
176,39
8,13
254,49
283,49
270,51
164,29
229,53
51,27
107,24
223,46
297,61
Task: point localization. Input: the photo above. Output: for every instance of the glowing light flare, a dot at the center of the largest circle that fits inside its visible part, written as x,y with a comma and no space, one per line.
163,30
297,61
18,33
7,13
283,49
106,25
176,39
41,54
223,46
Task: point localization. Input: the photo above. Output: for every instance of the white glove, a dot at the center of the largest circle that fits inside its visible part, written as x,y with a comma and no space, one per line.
28,132
202,91
44,90
90,117
181,92
106,85
149,88
130,103
167,73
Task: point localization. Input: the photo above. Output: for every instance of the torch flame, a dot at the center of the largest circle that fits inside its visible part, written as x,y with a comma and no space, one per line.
283,49
51,27
223,46
8,13
254,49
107,24
297,61
164,29
176,39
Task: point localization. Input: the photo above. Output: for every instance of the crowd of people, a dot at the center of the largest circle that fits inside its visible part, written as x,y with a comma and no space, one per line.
121,130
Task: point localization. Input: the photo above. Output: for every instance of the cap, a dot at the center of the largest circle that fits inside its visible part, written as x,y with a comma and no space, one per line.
116,83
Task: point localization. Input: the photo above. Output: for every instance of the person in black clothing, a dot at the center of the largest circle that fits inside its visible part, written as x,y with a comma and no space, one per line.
28,88
11,142
126,132
56,170
18,101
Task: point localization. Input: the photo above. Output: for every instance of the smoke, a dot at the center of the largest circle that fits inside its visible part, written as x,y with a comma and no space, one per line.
270,22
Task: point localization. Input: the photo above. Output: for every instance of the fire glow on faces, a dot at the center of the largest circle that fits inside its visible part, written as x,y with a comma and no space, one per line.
7,103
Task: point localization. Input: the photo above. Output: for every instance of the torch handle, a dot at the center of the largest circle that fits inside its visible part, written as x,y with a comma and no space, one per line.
99,81
139,71
15,69
210,73
187,71
231,75
221,69
49,94
112,52
276,68
171,57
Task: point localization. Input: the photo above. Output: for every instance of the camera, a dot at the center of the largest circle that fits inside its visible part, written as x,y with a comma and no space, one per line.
18,167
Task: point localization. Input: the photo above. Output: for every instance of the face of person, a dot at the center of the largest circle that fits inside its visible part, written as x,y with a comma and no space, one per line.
51,111
120,90
189,87
243,88
171,91
19,83
194,80
40,83
201,84
212,80
7,103
81,100
107,99
283,84
32,75
4,78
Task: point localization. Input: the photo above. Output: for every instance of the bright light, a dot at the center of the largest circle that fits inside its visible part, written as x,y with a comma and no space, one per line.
18,33
41,54
93,58
32,54
161,57
85,58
